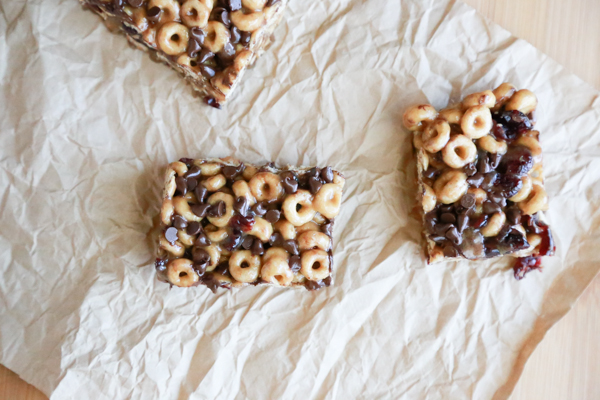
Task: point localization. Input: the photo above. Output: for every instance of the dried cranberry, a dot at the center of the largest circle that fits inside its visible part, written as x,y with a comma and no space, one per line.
479,221
517,161
525,264
241,222
499,131
234,240
514,121
507,185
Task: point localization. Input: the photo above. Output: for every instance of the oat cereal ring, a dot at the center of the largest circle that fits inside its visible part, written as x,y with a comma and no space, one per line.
180,272
275,252
436,135
170,184
175,249
476,122
536,201
247,22
287,230
166,212
169,9
524,101
328,200
532,144
494,225
429,199
423,160
243,266
319,219
182,207
418,140
215,256
480,195
524,191
415,116
266,186
241,189
277,271
254,5
185,239
452,115
228,200
173,38
249,172
450,186
311,239
309,226
194,14
214,234
491,145
262,229
459,151
214,183
301,198
485,98
208,3
208,169
217,36
180,168
186,61
503,93
315,264
190,197
339,180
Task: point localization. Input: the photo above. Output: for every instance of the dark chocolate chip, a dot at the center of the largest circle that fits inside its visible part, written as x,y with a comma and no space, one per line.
205,54
441,228
448,218
228,52
494,160
327,229
488,180
202,240
118,4
200,268
257,248
276,239
290,185
468,200
498,199
245,38
200,193
295,263
430,172
179,222
160,265
479,221
313,285
181,183
513,215
200,209
259,209
217,210
193,47
491,208
470,169
222,15
313,172
450,251
207,72
135,3
482,164
235,35
200,255
234,5
291,246
315,184
327,174
193,228
431,220
198,35
247,242
475,180
453,235
153,14
446,208
272,216
171,235
462,222
241,205
231,171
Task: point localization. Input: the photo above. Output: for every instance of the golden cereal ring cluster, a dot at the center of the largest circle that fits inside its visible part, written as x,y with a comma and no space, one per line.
228,224
480,176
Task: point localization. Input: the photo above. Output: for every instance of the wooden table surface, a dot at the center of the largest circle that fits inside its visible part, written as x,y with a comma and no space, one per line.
566,364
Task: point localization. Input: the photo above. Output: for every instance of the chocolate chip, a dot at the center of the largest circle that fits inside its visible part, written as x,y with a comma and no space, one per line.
217,210
479,221
179,222
291,246
234,5
247,242
430,172
181,183
295,263
468,200
453,235
475,180
171,235
290,185
482,164
193,228
200,268
245,38
276,239
441,229
488,180
202,240
272,216
198,35
313,285
153,14
513,215
470,169
235,35
271,2
193,48
118,4
462,222
494,160
327,229
259,209
327,174
227,54
200,209
313,172
315,184
450,251
231,171
192,183
498,199
205,54
207,72
430,220
200,255
446,208
160,265
200,193
257,248
220,14
241,205
448,218
490,208
135,3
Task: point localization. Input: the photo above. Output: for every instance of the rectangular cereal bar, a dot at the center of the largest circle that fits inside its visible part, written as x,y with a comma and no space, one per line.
480,177
210,42
228,224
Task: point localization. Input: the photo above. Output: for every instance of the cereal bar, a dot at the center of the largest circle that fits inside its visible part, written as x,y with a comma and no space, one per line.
228,224
480,178
210,42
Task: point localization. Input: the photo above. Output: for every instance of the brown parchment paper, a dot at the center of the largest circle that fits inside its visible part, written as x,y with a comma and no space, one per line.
88,124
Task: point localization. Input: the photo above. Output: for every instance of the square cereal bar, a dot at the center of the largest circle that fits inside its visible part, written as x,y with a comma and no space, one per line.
229,224
210,42
480,177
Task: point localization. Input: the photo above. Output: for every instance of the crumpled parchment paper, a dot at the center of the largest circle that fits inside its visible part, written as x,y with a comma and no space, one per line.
88,125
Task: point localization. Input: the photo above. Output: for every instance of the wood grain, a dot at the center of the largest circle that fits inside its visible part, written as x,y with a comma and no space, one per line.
566,365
